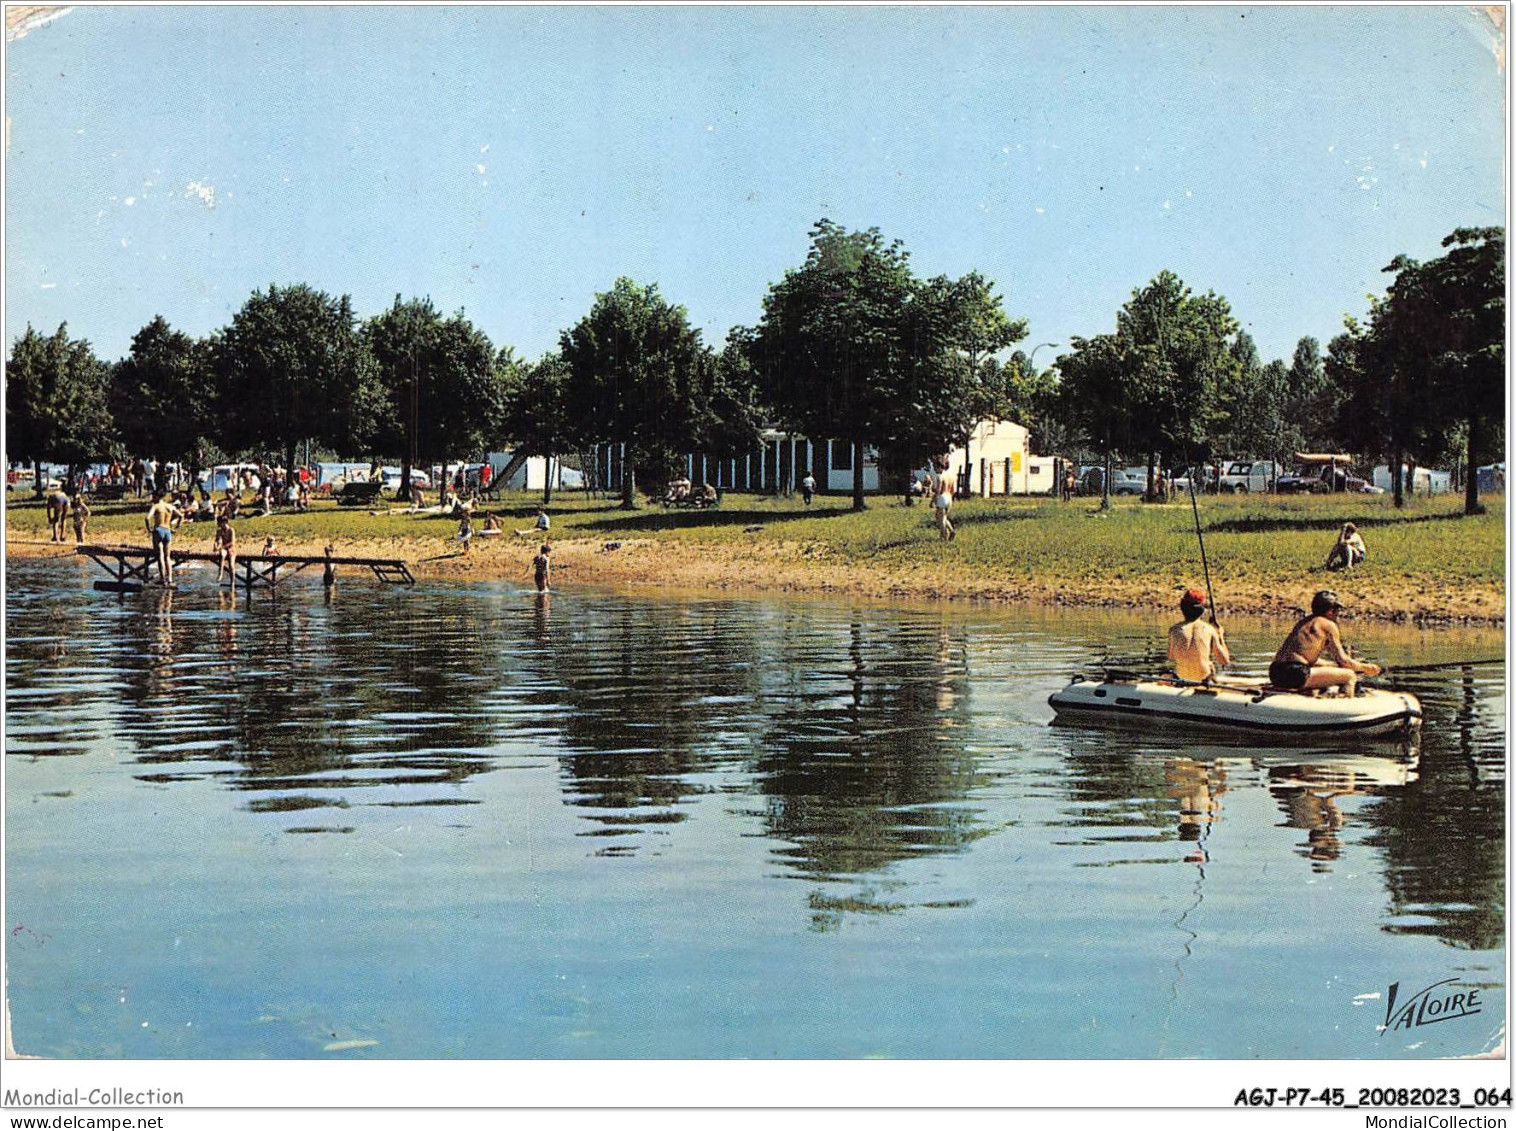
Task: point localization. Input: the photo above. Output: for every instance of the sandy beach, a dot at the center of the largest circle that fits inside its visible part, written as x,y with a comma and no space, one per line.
771,566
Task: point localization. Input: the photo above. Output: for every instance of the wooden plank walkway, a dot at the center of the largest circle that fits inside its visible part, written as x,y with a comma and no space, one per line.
130,566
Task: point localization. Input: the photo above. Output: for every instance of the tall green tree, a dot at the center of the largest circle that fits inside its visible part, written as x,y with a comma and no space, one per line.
636,372
292,368
55,401
1166,376
1094,394
1448,325
1314,402
853,346
162,395
536,419
444,384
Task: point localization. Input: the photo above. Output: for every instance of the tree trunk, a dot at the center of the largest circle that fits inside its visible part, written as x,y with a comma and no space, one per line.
37,465
1152,488
1105,482
628,481
1397,461
547,479
858,503
405,479
1471,503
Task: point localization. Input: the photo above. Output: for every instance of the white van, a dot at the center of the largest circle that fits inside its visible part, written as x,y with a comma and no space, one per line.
1240,476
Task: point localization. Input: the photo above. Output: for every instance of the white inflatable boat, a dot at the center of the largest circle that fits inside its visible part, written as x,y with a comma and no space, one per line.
1238,705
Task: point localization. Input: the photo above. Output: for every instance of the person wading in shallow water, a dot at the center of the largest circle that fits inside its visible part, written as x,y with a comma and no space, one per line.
1197,648
1298,665
161,519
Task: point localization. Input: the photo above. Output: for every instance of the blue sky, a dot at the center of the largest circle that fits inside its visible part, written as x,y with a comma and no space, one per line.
512,162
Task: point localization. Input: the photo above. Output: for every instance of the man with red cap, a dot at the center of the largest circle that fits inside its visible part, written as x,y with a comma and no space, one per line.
1196,648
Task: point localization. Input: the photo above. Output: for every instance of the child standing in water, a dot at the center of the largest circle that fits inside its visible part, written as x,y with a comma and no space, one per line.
542,566
81,516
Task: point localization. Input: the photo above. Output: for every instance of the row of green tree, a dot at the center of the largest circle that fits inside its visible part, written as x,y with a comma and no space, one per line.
851,345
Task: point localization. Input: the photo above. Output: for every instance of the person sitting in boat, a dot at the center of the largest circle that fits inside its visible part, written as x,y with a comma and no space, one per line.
1348,550
1196,648
1299,664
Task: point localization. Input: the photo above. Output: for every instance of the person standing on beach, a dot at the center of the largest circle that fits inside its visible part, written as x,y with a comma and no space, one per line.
542,566
80,510
942,499
162,518
57,514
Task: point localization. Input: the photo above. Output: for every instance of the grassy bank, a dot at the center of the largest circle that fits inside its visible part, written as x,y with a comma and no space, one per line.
1426,563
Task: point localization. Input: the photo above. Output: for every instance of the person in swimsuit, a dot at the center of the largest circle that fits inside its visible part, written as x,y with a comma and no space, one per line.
542,566
1197,648
81,516
1299,666
161,519
942,499
225,549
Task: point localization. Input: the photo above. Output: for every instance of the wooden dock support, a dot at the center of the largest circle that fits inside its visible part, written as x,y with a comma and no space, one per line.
130,566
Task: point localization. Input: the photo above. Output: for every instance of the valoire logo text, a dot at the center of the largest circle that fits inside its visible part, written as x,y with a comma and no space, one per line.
1441,1001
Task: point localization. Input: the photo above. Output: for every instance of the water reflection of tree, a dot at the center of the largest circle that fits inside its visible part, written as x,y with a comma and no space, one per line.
643,698
1119,777
865,763
1444,843
290,678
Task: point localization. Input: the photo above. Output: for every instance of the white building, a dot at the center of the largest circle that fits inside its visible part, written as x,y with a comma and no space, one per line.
997,459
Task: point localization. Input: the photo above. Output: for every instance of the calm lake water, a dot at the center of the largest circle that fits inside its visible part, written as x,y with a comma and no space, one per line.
466,822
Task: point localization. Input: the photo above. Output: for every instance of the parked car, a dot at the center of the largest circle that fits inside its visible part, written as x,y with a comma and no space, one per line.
1318,479
1124,481
1179,484
390,477
1242,476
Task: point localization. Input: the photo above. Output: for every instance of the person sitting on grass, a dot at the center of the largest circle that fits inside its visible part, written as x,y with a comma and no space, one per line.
270,550
1298,665
1196,648
541,526
1348,550
492,526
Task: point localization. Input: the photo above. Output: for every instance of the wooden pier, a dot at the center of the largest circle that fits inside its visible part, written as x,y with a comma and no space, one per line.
130,567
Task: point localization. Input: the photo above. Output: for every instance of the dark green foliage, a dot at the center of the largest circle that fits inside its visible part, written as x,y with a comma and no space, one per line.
162,394
1163,383
442,384
55,400
291,368
637,375
853,346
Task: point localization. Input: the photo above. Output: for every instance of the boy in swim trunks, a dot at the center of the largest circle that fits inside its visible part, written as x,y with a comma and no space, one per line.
225,549
1196,648
541,566
162,518
1298,666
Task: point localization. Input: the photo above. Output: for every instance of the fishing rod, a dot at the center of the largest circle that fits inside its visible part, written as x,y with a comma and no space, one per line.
1398,668
1205,564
